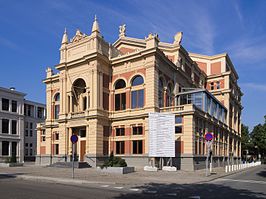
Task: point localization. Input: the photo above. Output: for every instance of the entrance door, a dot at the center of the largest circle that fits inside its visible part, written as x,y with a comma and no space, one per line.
82,149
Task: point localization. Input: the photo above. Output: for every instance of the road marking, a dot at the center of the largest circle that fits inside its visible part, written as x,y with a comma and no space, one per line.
118,187
105,185
248,181
194,197
150,191
134,189
172,194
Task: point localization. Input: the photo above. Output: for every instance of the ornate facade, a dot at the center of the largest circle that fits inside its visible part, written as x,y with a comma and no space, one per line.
103,93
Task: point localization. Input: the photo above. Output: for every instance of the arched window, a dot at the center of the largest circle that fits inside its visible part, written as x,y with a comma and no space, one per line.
120,84
120,95
79,95
57,97
137,92
137,80
161,93
56,105
169,95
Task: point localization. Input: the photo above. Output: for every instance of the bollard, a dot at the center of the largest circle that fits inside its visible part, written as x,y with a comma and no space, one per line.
226,169
229,168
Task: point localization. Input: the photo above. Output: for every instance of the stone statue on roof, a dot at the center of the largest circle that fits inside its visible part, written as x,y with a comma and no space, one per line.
122,30
178,38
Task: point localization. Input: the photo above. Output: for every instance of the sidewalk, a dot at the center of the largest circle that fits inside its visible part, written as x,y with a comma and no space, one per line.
91,176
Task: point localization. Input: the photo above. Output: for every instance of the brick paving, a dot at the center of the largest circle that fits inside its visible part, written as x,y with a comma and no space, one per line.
137,178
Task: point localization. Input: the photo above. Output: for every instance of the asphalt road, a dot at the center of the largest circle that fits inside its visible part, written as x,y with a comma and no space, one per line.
250,183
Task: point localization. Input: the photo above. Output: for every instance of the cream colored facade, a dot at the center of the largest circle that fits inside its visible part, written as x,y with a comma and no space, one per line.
104,92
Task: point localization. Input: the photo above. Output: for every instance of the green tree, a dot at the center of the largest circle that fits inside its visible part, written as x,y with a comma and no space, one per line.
245,138
258,137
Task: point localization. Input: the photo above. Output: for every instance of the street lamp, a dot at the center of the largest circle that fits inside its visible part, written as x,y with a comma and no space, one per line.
257,151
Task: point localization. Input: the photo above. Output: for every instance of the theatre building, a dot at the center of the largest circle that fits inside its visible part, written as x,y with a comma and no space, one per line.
104,93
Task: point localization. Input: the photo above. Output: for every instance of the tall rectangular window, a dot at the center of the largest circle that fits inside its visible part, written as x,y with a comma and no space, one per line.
56,111
56,149
5,104
14,149
14,127
137,99
56,136
218,86
212,86
120,101
14,106
120,147
178,124
105,147
106,131
40,112
137,130
105,101
5,126
5,148
120,131
137,147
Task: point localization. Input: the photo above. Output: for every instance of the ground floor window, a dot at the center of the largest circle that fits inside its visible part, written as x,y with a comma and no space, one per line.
137,146
105,147
26,152
120,147
56,149
5,148
14,149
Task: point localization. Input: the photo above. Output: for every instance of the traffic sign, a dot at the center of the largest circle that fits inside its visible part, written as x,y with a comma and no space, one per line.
74,139
208,136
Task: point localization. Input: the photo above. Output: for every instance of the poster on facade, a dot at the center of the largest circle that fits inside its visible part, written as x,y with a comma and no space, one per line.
161,135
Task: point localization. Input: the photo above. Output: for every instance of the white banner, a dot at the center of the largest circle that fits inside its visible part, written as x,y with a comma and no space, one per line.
161,135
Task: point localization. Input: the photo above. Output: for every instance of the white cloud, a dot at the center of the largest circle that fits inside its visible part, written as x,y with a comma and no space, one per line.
255,86
7,43
250,49
238,13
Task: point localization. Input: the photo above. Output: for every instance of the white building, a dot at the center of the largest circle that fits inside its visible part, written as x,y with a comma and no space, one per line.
11,124
18,121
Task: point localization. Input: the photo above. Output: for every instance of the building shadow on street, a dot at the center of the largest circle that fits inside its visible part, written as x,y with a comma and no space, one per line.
6,176
262,173
155,190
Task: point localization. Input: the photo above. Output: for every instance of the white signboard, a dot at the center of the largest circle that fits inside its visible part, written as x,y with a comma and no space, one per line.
161,135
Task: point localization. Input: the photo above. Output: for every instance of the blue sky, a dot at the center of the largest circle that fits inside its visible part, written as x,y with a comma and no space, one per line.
31,32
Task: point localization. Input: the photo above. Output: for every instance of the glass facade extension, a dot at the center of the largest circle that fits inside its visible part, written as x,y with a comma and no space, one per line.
204,101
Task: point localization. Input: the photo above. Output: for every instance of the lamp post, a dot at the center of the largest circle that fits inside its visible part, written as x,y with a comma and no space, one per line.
257,151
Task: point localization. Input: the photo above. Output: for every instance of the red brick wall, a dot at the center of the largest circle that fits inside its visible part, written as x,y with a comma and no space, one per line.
202,66
124,50
127,131
42,150
127,146
216,68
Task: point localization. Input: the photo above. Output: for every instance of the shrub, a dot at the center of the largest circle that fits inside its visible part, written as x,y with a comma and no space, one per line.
12,159
113,161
